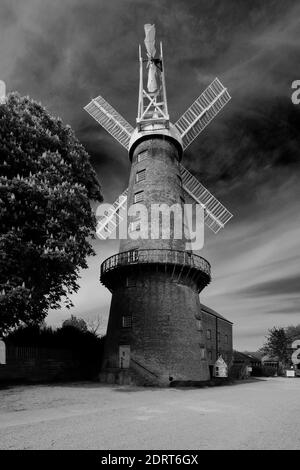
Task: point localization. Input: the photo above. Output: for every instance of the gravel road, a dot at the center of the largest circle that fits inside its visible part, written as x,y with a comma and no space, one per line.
257,414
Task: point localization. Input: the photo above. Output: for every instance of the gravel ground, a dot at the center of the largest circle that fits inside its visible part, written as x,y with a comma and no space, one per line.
258,414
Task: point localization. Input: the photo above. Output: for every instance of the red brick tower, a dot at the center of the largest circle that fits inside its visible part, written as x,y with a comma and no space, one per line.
154,333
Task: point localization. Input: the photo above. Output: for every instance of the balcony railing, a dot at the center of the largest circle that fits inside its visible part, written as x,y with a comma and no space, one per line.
161,256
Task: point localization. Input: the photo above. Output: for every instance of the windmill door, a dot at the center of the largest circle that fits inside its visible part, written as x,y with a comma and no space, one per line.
124,356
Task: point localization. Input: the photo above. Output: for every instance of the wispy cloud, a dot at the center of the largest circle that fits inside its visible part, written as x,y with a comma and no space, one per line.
255,263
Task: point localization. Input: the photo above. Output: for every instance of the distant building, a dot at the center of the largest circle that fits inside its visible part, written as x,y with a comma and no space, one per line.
294,354
250,359
244,365
271,362
218,335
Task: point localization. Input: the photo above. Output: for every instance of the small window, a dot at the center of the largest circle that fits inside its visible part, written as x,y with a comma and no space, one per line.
219,337
202,352
142,156
130,282
126,321
226,339
210,355
140,176
138,197
208,334
199,325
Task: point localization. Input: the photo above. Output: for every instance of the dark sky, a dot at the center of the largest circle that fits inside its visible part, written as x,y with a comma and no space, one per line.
65,52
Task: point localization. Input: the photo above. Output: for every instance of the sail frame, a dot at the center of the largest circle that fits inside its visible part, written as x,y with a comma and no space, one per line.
110,120
216,215
202,111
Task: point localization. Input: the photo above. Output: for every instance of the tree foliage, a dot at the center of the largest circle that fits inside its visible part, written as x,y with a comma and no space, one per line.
276,344
93,324
293,332
75,322
46,185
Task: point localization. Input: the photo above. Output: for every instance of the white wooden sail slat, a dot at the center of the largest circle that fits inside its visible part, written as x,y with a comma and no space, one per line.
202,111
218,210
212,224
216,215
110,119
109,223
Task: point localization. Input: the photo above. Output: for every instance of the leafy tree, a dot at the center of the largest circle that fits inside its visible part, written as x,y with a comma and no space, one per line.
292,332
46,185
277,344
74,322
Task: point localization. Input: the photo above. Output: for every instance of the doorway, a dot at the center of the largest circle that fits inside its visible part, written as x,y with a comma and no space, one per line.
124,356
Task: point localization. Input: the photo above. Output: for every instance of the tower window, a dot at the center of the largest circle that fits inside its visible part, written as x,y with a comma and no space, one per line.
202,352
199,325
208,334
226,339
140,176
127,321
130,282
210,355
138,197
142,156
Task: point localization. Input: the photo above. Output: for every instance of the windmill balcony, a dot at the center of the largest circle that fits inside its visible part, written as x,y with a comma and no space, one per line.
181,264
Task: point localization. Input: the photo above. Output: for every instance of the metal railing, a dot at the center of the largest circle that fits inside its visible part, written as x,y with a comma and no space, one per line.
143,367
161,256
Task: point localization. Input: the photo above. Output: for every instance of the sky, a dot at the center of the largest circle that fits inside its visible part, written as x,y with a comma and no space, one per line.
65,52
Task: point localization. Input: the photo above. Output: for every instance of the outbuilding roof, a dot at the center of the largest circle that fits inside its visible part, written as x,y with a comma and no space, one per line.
209,310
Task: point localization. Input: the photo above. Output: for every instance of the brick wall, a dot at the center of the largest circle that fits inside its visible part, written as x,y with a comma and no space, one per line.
217,344
161,185
164,336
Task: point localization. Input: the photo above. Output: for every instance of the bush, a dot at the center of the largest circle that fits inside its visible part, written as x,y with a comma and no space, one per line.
83,344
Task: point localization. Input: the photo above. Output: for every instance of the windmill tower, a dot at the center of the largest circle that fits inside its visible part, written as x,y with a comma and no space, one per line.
154,332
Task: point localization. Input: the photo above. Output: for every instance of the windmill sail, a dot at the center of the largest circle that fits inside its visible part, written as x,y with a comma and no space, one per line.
215,214
108,224
150,47
202,111
111,120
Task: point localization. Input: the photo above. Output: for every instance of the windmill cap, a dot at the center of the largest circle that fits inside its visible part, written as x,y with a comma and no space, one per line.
155,130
